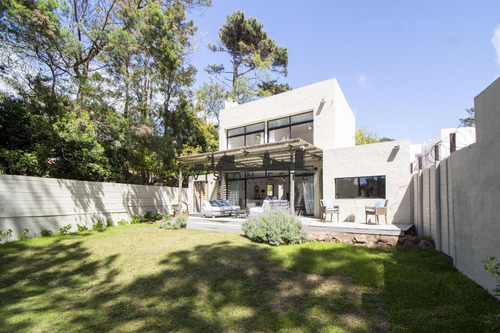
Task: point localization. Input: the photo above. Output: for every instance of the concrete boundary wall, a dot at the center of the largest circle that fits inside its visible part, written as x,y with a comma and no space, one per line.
45,203
455,202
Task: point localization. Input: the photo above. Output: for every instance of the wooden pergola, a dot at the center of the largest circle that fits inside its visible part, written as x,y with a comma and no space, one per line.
292,155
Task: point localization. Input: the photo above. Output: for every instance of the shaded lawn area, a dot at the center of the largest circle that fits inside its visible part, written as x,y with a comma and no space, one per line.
144,279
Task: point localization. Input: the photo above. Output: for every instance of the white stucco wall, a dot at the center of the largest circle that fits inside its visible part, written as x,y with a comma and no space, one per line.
476,180
334,124
47,203
380,159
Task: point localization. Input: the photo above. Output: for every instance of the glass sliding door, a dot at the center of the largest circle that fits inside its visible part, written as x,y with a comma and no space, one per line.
236,192
304,193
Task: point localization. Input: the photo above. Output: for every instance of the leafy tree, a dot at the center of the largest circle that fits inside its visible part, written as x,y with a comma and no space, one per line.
102,89
210,97
470,121
364,137
254,57
270,88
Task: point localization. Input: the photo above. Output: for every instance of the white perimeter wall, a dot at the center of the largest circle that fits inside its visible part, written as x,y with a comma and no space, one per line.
456,202
380,159
46,203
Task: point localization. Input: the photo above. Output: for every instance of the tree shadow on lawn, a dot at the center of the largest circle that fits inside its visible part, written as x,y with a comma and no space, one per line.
217,287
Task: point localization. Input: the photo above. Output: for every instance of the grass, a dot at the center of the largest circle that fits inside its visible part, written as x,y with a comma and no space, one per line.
143,279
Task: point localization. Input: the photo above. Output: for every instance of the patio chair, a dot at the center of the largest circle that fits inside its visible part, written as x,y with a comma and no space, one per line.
380,208
327,207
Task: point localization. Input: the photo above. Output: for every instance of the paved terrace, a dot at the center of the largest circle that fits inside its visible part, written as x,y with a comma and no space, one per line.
233,224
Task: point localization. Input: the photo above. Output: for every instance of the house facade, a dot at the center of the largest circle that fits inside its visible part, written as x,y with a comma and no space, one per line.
299,146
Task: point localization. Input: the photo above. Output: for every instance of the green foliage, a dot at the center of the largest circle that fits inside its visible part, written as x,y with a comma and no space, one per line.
122,222
180,221
149,216
65,230
103,90
275,227
158,217
109,223
98,226
135,220
470,121
493,267
254,57
46,233
4,235
23,235
81,228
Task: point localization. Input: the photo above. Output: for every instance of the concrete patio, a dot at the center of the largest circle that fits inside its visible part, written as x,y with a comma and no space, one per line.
231,223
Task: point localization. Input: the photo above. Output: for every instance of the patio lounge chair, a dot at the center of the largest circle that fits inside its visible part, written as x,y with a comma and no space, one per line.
380,208
327,207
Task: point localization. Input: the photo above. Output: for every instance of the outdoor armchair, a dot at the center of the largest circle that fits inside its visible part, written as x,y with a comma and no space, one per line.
380,208
327,207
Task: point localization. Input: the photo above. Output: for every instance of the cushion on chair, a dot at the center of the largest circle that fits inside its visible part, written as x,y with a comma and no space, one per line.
380,203
328,204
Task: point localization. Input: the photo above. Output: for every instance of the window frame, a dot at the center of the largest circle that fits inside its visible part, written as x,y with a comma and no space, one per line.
290,124
245,133
359,187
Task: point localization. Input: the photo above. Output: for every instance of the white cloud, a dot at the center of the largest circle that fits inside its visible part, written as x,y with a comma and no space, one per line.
363,81
496,42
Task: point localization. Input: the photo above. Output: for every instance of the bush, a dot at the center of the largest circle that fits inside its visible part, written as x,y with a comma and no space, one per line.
493,267
46,233
5,234
158,217
275,227
180,221
109,223
98,225
135,220
81,228
65,230
23,235
122,222
149,216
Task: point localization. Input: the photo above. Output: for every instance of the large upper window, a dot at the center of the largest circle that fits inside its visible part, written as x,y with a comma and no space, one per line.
245,136
360,187
298,126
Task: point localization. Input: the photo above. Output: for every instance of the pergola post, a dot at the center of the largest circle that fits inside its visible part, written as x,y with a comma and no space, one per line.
292,181
179,189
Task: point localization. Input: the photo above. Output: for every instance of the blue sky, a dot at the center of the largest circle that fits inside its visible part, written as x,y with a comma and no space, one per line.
407,68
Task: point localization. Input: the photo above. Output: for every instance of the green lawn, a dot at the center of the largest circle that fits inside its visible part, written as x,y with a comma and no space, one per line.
144,279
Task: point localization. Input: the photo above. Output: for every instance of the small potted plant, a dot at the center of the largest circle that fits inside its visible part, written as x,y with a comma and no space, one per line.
177,209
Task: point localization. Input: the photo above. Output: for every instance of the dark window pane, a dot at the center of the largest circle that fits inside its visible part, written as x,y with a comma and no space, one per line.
236,131
360,187
304,132
302,117
278,135
254,139
278,122
255,128
236,142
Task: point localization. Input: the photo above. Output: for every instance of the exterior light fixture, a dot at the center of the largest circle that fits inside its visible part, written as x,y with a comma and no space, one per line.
310,127
257,136
397,147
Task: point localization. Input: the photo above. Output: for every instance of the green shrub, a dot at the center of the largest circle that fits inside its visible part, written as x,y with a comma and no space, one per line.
493,266
65,230
46,233
122,222
135,220
23,235
98,225
180,221
5,234
81,228
158,217
275,227
148,216
109,223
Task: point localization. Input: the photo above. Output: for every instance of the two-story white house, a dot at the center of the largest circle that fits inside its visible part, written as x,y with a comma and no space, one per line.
299,146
